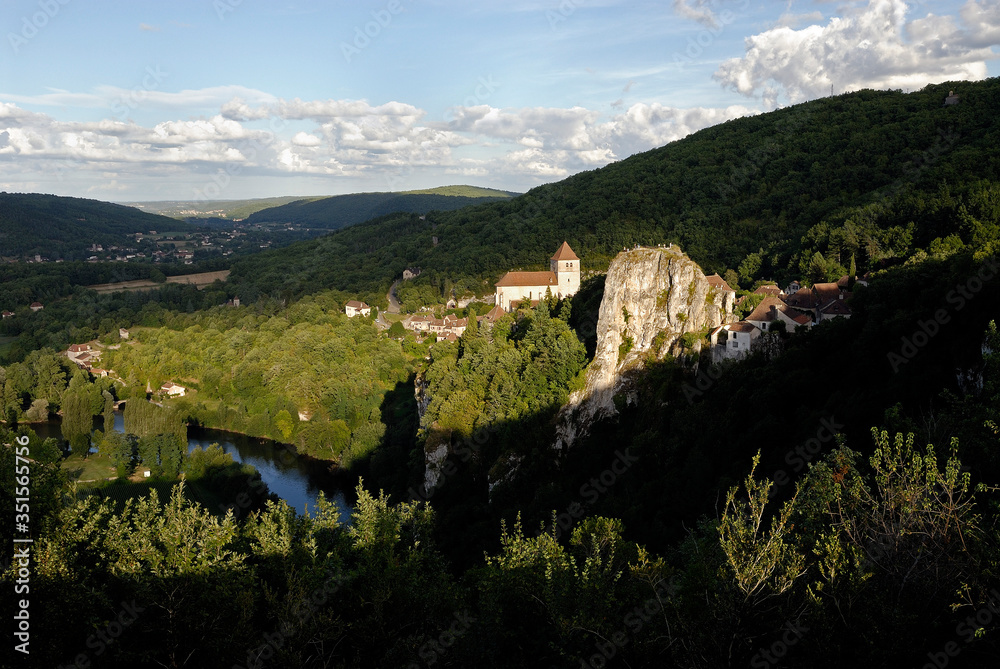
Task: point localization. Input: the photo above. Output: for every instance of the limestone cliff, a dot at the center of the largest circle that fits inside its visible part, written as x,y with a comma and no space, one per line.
652,297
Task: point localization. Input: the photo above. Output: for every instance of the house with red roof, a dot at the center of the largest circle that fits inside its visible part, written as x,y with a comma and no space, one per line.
717,282
562,280
172,389
772,310
354,307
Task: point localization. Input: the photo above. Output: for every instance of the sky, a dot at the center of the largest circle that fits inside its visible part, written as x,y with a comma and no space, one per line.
232,99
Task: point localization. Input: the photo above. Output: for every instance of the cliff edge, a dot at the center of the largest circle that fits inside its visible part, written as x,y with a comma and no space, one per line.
652,297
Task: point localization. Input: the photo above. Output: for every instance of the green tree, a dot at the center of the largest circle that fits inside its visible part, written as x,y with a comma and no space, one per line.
397,331
77,422
285,426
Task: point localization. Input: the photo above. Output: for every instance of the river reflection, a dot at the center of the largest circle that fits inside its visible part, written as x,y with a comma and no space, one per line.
296,479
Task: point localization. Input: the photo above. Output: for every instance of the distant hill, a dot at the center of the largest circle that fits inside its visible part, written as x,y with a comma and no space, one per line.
880,176
340,211
219,209
65,227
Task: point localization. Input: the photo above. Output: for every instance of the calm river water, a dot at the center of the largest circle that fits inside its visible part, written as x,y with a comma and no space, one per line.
298,480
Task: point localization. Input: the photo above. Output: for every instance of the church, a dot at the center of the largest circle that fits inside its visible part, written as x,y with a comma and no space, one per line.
562,280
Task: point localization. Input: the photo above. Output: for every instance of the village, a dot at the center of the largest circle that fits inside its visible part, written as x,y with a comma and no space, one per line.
787,310
770,307
513,290
767,308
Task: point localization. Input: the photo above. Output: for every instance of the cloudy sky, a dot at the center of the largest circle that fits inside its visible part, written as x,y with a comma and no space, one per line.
187,99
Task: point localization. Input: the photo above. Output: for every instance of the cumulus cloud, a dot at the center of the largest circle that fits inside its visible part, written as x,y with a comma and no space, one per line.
869,47
341,138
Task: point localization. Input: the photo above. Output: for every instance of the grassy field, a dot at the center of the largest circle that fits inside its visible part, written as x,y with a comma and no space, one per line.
93,468
199,280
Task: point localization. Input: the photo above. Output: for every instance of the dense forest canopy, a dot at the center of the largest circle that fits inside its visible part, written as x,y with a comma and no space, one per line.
65,227
341,211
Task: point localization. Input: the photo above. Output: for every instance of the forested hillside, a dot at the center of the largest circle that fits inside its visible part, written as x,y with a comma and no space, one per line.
875,174
256,372
65,227
341,211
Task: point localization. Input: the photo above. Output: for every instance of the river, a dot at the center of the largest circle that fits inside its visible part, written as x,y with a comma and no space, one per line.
296,479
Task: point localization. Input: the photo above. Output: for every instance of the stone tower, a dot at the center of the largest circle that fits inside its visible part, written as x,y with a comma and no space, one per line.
566,266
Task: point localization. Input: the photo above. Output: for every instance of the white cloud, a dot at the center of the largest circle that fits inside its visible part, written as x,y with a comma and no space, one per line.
305,139
869,47
343,138
983,20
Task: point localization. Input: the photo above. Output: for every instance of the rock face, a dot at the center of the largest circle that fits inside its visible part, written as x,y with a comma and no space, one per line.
652,297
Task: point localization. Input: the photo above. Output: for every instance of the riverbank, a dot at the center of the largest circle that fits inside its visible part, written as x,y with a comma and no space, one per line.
296,478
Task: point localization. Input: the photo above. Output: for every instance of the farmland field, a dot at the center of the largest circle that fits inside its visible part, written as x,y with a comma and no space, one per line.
199,280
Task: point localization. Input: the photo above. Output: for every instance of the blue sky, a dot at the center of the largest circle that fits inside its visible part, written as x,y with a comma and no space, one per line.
187,99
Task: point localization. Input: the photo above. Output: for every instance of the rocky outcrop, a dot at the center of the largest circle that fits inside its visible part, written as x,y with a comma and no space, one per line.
652,297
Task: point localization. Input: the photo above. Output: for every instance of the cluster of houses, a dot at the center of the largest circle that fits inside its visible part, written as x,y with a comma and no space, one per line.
513,290
86,357
451,327
794,307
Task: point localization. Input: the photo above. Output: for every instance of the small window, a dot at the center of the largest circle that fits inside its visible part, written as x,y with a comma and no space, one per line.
736,344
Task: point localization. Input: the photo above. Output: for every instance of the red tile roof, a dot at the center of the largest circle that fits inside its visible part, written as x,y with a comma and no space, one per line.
564,252
826,292
763,310
494,314
836,308
717,281
741,326
528,279
803,298
357,305
768,289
